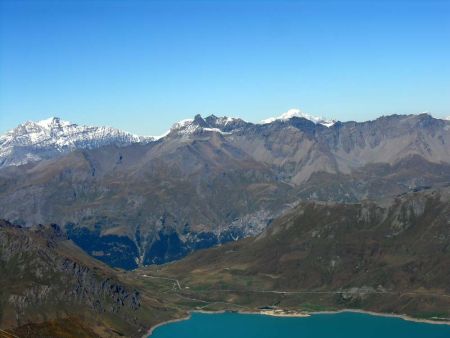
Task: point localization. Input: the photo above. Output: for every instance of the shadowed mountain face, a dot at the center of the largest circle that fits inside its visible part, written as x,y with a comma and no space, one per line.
47,279
392,256
214,180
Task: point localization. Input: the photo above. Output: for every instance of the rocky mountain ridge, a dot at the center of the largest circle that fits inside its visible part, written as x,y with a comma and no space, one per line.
212,180
46,277
391,257
34,141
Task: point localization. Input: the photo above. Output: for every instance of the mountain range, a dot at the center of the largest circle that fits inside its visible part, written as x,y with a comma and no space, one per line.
132,201
294,213
34,141
389,256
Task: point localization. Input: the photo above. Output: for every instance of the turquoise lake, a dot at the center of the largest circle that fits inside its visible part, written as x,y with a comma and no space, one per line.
339,325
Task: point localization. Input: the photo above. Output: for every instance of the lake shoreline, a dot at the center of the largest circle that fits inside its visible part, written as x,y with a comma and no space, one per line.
384,314
301,314
153,328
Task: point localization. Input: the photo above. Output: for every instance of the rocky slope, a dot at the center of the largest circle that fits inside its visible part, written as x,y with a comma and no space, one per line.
34,141
44,278
390,256
215,179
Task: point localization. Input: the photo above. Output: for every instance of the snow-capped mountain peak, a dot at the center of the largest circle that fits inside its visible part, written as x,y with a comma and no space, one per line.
186,125
51,122
33,141
222,121
211,123
298,113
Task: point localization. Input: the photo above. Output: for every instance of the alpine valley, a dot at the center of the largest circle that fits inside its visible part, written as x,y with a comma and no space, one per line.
296,213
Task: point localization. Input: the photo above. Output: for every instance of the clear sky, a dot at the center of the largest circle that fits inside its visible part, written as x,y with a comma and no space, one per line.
142,65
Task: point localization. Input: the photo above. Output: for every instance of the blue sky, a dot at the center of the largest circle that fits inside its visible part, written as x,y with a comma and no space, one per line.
142,65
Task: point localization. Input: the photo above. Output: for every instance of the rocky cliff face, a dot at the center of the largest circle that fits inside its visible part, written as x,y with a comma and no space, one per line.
43,276
215,179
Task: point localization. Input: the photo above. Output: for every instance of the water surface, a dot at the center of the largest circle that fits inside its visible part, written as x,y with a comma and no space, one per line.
337,325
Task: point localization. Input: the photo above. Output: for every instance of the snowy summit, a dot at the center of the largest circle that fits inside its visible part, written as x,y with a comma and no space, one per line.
33,141
298,113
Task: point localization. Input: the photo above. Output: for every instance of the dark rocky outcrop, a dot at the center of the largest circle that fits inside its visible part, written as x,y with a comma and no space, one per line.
44,277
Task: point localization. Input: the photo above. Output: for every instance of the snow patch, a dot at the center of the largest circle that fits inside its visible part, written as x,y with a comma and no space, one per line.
186,126
298,113
225,120
190,126
217,130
